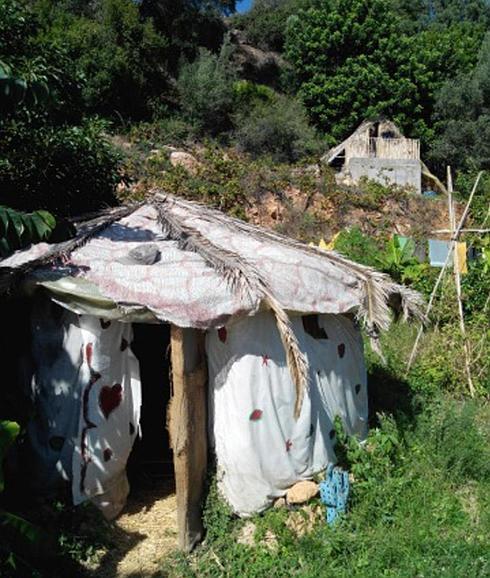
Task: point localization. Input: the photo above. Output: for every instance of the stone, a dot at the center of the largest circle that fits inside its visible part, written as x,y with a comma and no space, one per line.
280,503
270,541
302,522
186,160
247,534
302,492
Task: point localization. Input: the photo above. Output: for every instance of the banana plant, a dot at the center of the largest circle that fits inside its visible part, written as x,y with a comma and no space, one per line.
9,430
9,522
398,259
19,229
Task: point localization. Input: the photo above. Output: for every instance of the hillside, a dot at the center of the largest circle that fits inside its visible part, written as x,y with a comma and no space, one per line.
301,200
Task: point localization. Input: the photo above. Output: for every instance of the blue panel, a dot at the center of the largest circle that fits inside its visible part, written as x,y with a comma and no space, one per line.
438,251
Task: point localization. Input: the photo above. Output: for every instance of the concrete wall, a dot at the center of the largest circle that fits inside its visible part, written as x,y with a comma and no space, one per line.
404,172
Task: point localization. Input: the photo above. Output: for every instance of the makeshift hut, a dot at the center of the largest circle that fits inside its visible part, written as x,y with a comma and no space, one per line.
377,150
265,342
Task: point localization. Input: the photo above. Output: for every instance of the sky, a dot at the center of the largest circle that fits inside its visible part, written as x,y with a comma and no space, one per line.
243,5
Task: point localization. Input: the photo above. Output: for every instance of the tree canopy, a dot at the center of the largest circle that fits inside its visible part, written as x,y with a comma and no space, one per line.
462,118
353,59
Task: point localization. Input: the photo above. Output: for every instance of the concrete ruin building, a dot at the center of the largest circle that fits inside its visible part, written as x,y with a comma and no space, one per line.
378,151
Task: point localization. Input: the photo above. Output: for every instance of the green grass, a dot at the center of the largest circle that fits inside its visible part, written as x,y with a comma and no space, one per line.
420,507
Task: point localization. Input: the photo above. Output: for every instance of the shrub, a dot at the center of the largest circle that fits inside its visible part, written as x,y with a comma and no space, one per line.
67,170
279,129
167,130
228,180
122,57
248,93
355,245
46,161
206,90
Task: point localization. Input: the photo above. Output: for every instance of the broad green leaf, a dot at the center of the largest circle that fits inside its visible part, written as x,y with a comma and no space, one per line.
23,526
29,229
5,248
16,220
47,218
4,220
41,227
18,229
9,430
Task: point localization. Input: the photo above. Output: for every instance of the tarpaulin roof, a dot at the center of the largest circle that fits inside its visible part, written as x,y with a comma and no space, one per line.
196,267
187,264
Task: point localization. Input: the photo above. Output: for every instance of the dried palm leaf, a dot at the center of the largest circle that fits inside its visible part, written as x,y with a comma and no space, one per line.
10,278
243,277
377,288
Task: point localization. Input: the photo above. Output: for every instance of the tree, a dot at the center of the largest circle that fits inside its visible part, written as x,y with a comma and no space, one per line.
265,24
462,118
50,157
352,60
423,13
188,26
121,57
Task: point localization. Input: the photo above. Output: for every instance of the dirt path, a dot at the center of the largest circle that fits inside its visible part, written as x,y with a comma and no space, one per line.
143,534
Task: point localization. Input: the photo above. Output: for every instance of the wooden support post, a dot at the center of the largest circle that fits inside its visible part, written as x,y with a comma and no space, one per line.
188,431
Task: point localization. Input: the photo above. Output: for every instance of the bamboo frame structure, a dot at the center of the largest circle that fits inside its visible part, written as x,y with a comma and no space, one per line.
457,230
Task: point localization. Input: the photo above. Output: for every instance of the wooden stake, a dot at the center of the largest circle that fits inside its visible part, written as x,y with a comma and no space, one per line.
441,274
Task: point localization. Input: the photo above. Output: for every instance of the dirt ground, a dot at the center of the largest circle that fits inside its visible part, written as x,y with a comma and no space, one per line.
143,534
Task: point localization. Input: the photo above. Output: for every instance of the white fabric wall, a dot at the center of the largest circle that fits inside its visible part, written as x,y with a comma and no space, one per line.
260,448
87,393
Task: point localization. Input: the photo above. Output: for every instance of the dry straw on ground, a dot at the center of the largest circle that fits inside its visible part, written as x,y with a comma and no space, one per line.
145,532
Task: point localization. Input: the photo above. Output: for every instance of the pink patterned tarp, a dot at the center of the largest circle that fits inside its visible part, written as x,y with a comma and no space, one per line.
182,289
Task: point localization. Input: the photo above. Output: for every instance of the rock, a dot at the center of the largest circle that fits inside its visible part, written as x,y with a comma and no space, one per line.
303,521
186,160
146,254
122,187
246,537
270,540
280,503
247,533
302,492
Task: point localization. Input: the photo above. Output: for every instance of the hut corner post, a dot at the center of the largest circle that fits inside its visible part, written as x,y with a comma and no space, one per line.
188,432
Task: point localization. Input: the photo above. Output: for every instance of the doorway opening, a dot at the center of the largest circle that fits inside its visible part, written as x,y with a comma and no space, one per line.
151,458
147,527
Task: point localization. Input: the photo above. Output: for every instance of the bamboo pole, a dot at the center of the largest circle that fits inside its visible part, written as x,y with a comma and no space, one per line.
462,231
441,274
452,218
457,283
